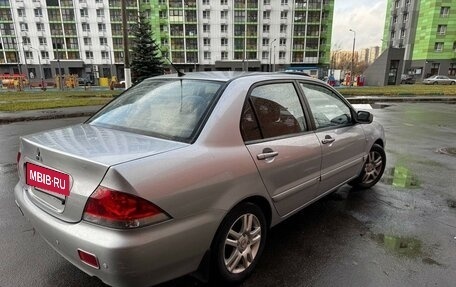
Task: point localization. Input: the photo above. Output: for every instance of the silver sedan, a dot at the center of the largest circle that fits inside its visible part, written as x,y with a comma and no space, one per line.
184,172
439,80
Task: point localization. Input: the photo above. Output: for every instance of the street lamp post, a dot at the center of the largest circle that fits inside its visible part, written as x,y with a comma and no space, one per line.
270,54
353,57
41,67
112,65
26,67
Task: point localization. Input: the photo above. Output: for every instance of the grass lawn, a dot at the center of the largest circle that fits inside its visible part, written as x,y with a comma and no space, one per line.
31,100
402,90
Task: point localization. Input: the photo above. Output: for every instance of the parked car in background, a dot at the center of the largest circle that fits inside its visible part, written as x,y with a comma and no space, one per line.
439,80
83,81
407,79
180,173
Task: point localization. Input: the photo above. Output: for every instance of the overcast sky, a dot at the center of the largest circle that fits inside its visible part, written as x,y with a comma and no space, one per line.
366,17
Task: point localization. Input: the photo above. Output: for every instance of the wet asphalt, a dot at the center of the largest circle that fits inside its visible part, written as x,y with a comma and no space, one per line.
402,232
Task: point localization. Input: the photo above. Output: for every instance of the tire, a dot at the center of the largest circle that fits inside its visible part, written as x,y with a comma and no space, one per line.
435,83
373,168
238,244
452,83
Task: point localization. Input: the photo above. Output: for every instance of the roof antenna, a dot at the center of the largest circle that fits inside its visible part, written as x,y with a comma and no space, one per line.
179,73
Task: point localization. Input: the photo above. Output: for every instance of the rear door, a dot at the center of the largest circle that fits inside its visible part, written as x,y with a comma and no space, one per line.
343,142
286,153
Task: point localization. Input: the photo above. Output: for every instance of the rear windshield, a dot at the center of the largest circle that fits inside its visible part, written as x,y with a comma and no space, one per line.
170,109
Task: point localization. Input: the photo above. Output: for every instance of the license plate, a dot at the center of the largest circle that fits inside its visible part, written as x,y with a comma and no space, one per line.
48,179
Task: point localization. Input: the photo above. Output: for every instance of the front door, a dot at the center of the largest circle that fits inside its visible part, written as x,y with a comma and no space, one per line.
286,153
343,142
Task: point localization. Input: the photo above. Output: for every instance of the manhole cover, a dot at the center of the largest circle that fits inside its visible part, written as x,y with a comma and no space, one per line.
447,150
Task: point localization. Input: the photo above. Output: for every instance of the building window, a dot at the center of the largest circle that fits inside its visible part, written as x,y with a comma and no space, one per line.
223,2
239,16
25,41
281,55
38,12
105,55
284,2
224,55
101,27
224,14
40,26
283,42
393,35
21,12
224,41
100,13
444,11
265,28
397,3
86,27
103,41
44,55
438,47
283,28
407,2
84,12
224,28
404,17
29,55
206,28
87,41
265,41
207,55
402,34
283,15
42,40
267,2
266,14
441,29
24,27
207,42
265,55
395,19
89,54
206,14
452,69
206,2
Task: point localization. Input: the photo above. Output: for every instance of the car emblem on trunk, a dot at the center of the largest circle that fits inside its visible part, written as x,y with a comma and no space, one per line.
38,155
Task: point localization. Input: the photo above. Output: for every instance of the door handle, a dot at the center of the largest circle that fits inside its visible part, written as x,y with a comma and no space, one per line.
328,139
267,153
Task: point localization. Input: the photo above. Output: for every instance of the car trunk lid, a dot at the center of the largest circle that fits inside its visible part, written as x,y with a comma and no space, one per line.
61,168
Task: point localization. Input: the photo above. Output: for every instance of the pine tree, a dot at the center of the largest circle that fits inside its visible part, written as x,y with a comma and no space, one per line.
146,56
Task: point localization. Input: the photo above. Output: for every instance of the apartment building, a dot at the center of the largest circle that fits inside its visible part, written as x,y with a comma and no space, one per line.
84,37
42,37
419,39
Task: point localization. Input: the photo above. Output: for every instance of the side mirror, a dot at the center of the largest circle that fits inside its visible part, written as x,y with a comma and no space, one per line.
364,117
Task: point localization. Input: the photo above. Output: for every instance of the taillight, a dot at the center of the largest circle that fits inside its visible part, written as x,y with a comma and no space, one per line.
121,210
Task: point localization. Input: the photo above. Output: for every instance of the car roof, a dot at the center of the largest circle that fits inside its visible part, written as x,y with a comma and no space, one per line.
226,76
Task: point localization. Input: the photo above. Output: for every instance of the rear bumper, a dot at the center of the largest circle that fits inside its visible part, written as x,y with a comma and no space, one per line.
140,257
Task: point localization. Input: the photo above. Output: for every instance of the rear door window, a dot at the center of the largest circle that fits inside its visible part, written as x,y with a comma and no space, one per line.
272,110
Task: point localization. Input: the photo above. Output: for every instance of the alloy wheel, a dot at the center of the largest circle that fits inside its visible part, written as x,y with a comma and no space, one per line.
373,167
242,243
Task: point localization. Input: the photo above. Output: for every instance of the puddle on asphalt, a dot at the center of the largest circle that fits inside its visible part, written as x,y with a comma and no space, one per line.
447,151
409,247
377,106
400,176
